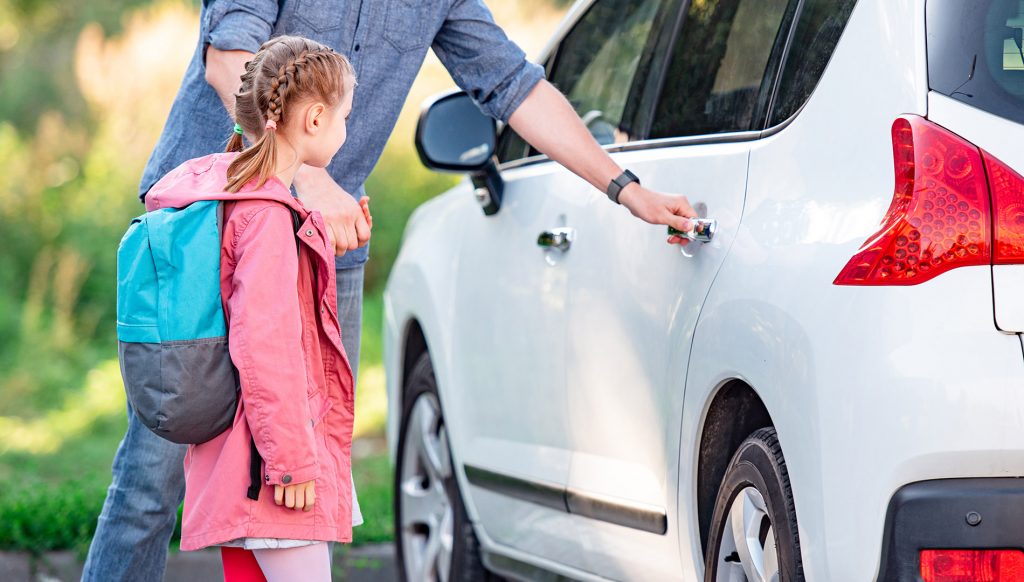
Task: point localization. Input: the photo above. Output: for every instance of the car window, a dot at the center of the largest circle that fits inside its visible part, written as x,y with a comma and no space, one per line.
976,53
716,81
596,66
820,24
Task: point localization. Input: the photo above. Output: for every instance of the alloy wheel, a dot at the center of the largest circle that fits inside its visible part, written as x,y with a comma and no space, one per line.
748,550
426,512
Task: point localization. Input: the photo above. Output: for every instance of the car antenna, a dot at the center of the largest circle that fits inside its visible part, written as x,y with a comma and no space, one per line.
970,77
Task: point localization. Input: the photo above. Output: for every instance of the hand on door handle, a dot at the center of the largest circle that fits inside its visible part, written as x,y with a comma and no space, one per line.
703,230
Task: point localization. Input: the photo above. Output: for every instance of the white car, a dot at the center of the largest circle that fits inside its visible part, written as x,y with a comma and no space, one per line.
831,389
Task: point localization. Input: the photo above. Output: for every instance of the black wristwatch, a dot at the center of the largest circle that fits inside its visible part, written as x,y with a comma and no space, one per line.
619,183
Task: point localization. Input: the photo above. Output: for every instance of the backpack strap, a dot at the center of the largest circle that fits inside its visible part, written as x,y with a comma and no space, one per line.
255,459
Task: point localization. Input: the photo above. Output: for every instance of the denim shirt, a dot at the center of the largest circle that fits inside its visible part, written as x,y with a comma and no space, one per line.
386,41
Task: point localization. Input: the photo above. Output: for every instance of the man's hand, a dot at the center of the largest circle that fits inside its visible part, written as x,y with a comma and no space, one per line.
656,208
224,71
299,496
548,122
347,224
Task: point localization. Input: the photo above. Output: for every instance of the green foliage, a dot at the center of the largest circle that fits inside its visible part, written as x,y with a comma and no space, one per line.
41,516
84,96
373,485
38,518
397,186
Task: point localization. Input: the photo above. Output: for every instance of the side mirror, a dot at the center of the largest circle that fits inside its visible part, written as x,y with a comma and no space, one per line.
453,135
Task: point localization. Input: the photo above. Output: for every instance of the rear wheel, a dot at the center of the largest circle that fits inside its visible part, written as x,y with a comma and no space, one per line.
754,534
436,541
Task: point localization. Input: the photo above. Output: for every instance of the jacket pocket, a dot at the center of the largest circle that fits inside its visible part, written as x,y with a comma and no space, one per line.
319,406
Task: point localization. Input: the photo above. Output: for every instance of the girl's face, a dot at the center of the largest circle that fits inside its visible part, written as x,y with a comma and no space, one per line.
326,130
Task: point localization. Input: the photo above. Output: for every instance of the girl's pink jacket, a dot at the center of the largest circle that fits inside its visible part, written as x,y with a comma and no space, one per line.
284,338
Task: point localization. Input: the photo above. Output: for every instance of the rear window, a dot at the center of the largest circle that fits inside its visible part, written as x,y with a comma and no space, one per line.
817,33
976,53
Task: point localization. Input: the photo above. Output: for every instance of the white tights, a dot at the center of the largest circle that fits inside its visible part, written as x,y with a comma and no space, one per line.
304,563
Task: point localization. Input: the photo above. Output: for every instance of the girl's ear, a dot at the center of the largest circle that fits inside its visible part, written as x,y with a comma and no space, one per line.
315,117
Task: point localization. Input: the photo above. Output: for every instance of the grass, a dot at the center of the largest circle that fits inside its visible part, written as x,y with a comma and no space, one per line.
55,468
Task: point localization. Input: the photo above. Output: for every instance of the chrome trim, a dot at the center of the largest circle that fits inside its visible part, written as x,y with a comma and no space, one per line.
546,494
648,144
649,518
630,514
573,16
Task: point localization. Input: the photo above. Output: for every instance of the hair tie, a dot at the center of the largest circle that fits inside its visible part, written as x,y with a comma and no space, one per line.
238,129
271,124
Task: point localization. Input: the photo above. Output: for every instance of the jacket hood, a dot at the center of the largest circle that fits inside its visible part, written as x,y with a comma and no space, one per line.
204,179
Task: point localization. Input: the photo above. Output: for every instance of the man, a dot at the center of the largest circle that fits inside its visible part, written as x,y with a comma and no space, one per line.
386,42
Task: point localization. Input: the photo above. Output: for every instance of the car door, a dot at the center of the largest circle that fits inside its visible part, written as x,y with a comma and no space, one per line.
633,300
510,401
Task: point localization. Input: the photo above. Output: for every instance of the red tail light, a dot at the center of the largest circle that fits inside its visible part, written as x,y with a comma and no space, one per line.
939,216
1008,209
972,565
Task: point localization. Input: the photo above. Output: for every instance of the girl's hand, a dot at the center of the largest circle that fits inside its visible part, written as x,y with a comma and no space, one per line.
297,496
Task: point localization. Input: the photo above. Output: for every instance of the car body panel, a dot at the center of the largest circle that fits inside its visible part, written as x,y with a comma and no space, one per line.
868,388
633,302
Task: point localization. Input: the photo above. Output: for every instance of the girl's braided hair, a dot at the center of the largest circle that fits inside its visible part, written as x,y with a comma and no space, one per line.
287,69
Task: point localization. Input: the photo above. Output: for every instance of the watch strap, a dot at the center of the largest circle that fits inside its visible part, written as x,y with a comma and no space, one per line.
620,182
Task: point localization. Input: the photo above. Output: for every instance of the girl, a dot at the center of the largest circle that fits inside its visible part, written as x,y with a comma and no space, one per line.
276,486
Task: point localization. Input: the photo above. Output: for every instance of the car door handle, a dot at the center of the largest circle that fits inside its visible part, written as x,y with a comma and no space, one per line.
704,230
557,238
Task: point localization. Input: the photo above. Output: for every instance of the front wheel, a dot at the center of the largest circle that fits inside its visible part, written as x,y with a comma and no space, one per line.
436,542
754,535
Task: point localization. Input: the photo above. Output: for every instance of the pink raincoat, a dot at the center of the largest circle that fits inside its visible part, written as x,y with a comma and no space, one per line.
285,340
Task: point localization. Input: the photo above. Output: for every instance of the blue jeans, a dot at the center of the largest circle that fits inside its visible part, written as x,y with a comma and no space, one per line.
141,509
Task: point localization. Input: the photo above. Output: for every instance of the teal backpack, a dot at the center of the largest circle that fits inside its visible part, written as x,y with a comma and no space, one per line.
171,329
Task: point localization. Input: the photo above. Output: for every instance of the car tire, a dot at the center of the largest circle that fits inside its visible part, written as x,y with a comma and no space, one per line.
754,532
435,540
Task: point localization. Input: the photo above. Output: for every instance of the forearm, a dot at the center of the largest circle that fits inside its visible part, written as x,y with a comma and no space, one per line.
312,179
547,121
224,71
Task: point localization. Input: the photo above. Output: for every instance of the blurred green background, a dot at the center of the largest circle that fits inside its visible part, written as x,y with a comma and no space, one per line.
85,87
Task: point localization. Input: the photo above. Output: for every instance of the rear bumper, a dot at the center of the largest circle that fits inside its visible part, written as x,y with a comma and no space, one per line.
934,515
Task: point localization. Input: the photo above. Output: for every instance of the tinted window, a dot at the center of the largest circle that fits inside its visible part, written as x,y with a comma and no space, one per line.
717,79
976,53
596,66
820,24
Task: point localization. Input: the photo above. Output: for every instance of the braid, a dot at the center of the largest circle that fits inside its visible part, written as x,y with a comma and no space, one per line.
285,79
283,65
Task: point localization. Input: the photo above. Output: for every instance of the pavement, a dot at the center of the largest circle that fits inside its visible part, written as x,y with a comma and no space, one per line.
365,563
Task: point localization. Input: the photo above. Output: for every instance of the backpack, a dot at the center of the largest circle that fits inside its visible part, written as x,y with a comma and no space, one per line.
171,329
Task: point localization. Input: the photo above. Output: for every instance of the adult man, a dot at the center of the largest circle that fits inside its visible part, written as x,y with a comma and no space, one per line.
386,42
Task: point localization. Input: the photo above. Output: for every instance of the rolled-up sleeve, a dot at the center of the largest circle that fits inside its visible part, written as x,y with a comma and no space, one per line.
488,66
239,24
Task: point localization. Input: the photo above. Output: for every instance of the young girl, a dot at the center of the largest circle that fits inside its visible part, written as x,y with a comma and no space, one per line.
276,486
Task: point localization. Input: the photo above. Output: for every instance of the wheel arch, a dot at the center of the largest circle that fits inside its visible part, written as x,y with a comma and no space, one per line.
734,412
414,345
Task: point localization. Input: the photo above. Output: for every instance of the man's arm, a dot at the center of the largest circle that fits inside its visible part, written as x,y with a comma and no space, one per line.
548,122
346,224
494,71
224,71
